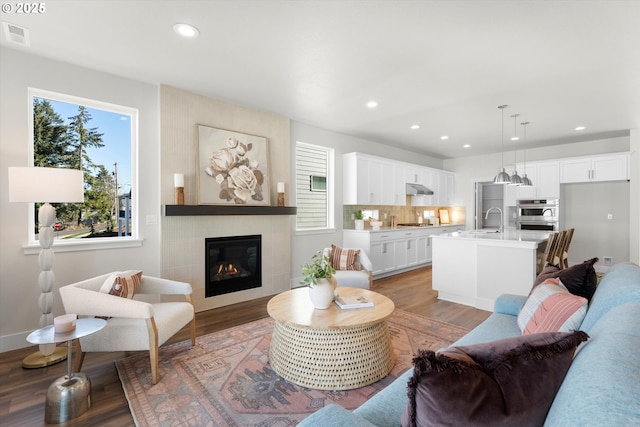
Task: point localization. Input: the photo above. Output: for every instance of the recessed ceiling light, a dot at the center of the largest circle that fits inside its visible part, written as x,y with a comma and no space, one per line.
372,104
580,128
415,127
515,138
444,137
186,30
466,145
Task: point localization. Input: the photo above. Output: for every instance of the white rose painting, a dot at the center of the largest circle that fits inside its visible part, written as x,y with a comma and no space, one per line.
233,168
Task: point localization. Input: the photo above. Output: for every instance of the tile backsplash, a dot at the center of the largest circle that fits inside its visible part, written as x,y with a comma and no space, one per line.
457,214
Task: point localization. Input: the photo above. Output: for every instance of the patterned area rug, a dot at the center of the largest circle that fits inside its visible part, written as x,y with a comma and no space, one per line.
225,380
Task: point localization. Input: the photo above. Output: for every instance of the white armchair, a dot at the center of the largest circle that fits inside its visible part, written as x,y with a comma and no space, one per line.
133,324
361,278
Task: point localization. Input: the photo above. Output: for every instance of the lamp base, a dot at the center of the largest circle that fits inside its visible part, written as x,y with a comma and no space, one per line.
39,360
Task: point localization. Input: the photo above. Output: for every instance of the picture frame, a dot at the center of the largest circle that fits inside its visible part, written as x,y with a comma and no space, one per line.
233,168
444,216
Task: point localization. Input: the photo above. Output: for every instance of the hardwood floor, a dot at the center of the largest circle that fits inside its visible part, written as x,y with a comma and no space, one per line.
23,391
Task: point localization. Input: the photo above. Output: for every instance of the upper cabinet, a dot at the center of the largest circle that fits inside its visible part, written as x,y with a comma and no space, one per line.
545,179
371,180
608,167
549,174
366,173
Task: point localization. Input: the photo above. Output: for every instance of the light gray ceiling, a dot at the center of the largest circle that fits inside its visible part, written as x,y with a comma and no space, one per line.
445,65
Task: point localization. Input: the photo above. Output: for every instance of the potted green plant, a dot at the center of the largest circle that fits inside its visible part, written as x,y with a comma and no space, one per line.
359,220
318,276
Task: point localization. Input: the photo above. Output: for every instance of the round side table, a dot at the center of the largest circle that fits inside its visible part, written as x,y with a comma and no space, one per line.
70,395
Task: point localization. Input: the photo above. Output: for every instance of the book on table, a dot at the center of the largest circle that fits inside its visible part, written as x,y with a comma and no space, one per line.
353,302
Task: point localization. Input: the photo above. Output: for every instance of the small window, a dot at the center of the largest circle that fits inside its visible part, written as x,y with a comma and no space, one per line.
317,183
314,168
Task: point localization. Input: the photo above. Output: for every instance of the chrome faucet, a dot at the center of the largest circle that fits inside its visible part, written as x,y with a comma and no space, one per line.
499,210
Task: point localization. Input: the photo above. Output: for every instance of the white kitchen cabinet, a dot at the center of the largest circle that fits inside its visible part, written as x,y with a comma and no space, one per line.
362,180
383,256
424,249
395,250
442,183
446,189
545,177
407,247
610,167
372,180
399,186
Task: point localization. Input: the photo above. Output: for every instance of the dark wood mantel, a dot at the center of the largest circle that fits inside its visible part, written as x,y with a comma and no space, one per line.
194,210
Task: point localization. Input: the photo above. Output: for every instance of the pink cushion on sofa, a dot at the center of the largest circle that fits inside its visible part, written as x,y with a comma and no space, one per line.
551,308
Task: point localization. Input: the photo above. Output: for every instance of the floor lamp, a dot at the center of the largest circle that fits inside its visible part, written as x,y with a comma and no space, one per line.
45,185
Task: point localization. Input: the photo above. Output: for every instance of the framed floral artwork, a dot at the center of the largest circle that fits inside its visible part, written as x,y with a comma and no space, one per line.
233,168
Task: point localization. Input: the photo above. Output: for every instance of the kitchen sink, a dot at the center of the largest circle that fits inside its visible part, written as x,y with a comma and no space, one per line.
412,224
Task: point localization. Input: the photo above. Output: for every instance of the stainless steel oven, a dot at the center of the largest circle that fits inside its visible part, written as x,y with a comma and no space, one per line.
538,214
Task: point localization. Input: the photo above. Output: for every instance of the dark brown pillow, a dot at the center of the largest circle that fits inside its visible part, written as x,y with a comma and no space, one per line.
547,273
579,279
500,383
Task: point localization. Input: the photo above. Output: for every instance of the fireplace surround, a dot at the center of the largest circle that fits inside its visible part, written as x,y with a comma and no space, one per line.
232,264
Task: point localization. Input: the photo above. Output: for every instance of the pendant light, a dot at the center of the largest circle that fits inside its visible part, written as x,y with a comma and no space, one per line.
502,177
526,182
515,178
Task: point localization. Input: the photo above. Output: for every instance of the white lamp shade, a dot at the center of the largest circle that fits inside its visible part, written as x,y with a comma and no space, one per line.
53,185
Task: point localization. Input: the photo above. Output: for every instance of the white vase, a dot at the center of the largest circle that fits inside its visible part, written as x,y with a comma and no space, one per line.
321,295
359,224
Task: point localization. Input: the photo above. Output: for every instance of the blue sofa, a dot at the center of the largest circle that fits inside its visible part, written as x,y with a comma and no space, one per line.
602,387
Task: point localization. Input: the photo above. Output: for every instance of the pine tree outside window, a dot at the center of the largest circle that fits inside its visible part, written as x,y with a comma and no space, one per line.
99,139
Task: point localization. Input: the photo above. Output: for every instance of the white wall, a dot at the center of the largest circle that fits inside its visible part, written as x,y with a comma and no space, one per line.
305,244
19,292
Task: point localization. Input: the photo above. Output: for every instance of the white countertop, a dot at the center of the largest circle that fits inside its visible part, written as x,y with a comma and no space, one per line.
508,235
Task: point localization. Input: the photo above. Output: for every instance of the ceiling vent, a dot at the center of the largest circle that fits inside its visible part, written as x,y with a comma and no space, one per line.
16,34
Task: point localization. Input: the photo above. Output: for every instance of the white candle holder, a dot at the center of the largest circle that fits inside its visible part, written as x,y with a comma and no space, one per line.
178,182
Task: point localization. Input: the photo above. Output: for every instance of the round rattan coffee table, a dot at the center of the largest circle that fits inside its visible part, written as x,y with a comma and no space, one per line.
330,349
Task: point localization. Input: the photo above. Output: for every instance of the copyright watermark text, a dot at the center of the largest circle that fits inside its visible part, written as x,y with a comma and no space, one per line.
24,8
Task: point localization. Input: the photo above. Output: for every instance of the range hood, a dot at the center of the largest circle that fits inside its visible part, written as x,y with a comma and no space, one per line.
418,189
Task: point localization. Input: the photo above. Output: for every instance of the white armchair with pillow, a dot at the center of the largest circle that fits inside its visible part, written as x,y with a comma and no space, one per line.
352,265
132,324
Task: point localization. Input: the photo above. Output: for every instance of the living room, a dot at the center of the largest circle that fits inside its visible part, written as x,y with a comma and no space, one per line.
171,247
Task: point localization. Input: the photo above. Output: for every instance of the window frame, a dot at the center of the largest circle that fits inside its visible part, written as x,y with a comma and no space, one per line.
330,184
33,246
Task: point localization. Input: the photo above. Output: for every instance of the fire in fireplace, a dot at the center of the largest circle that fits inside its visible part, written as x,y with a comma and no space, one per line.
232,264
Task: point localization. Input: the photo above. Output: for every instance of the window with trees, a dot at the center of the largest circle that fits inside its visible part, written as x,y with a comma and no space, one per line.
99,139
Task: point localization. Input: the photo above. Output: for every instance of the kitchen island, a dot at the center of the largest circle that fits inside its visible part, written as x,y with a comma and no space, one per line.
475,267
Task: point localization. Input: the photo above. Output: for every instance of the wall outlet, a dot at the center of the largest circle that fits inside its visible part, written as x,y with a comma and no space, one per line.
607,260
609,216
353,216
